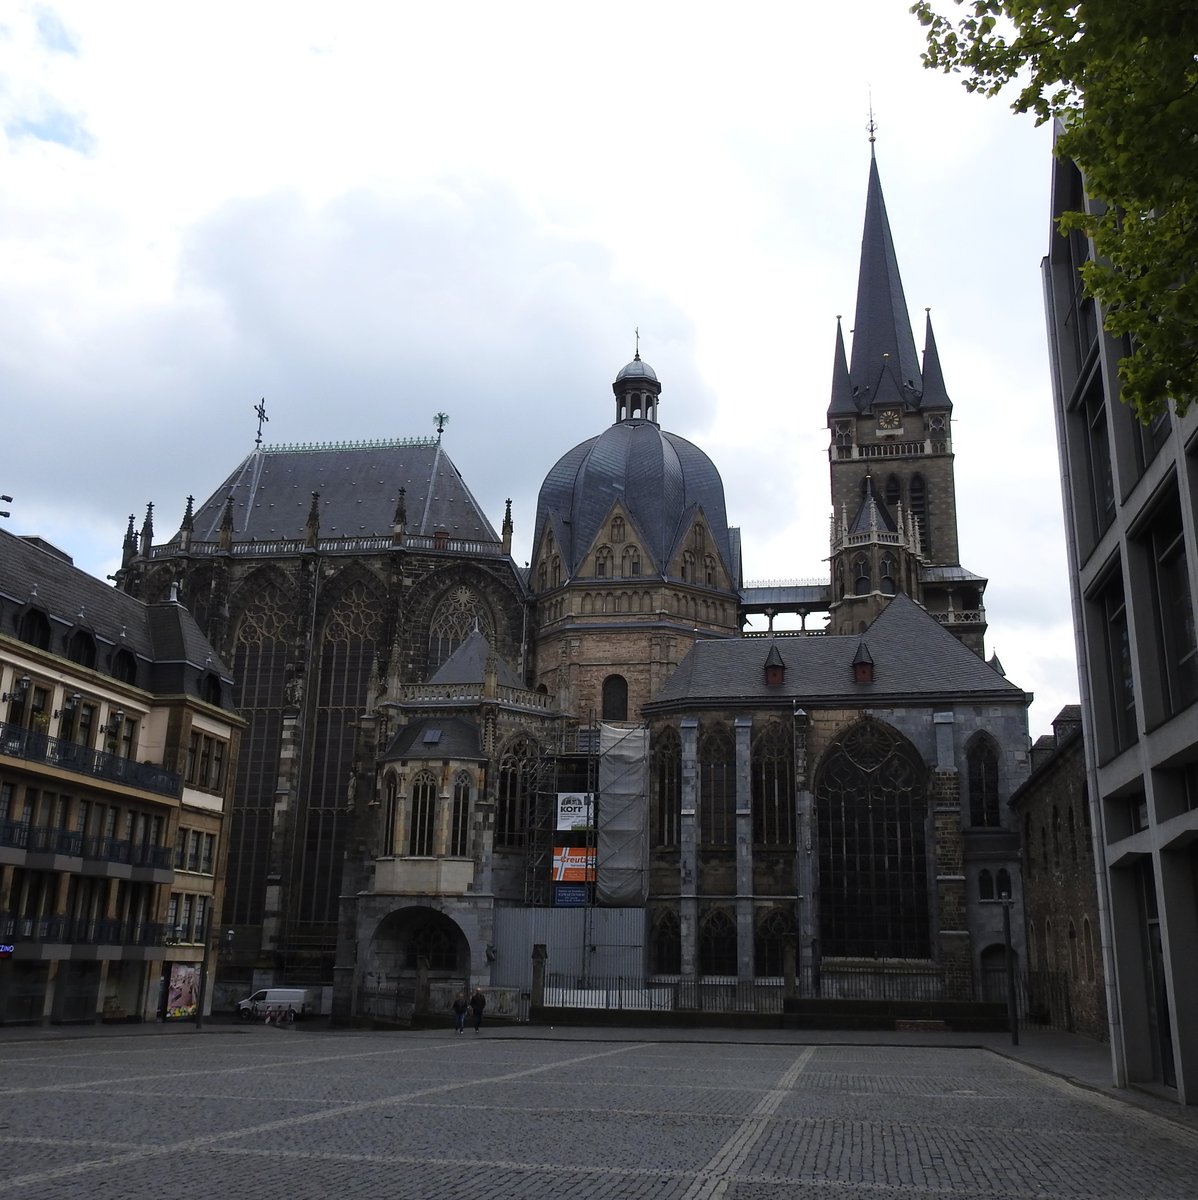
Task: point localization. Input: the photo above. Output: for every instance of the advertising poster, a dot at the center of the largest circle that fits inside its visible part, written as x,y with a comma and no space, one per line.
573,864
183,991
575,811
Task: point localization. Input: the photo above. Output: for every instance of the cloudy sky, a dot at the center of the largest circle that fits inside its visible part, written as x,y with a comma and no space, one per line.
367,213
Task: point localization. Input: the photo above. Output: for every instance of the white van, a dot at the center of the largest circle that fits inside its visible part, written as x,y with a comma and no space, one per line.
282,1000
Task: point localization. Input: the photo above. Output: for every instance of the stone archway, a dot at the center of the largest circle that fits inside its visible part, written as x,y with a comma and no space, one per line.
416,961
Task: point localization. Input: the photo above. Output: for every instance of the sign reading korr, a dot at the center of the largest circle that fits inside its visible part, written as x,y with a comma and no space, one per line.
575,810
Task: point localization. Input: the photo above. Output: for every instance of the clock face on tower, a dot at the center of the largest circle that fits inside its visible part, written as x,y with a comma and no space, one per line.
889,418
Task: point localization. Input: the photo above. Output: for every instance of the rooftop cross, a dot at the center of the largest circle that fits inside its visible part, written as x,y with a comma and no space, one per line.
260,412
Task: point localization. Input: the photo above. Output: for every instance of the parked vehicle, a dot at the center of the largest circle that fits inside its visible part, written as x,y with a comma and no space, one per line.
281,1000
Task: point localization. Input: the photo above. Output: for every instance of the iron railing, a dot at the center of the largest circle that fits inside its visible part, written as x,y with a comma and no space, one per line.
80,930
34,746
47,839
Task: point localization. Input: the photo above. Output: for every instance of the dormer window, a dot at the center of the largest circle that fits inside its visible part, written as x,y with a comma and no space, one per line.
775,668
863,665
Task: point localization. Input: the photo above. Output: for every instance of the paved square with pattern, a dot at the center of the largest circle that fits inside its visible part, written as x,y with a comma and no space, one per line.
265,1114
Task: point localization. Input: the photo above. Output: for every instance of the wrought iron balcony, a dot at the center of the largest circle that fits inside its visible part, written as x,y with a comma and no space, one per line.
81,931
34,746
48,839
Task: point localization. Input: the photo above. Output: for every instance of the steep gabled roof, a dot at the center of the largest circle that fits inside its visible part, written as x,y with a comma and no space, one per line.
935,394
843,402
359,487
468,664
916,661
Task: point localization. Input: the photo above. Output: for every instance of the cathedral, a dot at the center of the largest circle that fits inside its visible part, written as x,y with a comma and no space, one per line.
450,760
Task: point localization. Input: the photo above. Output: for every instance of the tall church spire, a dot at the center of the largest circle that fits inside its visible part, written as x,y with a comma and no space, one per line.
935,394
884,367
843,403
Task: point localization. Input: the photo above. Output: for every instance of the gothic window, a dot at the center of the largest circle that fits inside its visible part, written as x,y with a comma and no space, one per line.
688,567
717,943
919,511
871,812
435,944
861,579
617,529
985,885
667,943
893,493
1056,836
717,787
773,786
886,570
557,571
769,942
424,815
459,821
603,562
842,432
455,618
666,784
347,648
390,812
982,774
1088,948
709,571
699,539
1072,951
630,562
1072,835
542,576
516,781
1044,846
615,698
1002,883
839,580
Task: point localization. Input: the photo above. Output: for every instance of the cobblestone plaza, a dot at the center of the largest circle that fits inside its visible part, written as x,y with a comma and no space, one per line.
264,1114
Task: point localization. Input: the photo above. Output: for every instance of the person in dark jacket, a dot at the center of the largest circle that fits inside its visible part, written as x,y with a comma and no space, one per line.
477,1003
459,1012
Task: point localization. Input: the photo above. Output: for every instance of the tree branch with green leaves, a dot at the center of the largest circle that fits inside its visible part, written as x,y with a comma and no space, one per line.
1121,78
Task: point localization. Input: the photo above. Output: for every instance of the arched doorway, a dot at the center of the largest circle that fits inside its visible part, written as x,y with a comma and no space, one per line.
415,963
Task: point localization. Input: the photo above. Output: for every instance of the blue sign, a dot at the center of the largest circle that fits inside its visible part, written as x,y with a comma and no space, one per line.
6,949
570,895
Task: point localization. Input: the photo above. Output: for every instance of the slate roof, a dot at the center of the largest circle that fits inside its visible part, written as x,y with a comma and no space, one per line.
468,664
359,490
457,737
916,661
935,395
660,478
171,652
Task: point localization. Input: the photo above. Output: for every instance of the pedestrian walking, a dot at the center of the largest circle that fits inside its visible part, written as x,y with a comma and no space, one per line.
477,1003
459,1012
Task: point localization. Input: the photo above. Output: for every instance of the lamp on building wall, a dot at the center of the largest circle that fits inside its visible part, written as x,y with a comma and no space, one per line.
22,687
71,704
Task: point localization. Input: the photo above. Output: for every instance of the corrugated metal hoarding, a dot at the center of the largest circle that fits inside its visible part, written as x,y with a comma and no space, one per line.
581,942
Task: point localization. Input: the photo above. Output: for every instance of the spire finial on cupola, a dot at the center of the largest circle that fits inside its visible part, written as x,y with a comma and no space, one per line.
147,531
187,528
507,527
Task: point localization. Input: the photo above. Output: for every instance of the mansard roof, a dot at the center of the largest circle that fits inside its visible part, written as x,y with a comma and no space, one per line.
172,654
359,485
436,738
916,661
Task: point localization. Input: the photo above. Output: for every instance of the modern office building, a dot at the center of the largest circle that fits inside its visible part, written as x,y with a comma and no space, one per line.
1131,501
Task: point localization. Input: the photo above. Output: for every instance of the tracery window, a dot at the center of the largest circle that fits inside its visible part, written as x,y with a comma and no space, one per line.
603,561
517,769
390,812
667,943
717,787
617,529
773,786
459,820
424,815
861,576
630,562
919,511
982,773
455,618
769,961
871,812
666,788
887,571
893,493
717,943
688,567
434,943
709,571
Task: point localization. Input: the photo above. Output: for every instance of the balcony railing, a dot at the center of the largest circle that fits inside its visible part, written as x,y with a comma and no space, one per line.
48,839
364,544
40,747
81,931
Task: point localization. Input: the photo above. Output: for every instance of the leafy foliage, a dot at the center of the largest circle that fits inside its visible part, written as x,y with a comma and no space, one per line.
1122,78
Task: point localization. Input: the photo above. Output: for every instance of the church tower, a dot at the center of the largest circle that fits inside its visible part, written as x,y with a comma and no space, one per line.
894,504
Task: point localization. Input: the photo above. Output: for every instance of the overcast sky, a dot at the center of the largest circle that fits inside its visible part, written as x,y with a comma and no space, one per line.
367,213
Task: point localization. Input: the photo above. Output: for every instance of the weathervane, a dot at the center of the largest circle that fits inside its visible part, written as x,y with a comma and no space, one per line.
637,331
873,125
441,419
260,412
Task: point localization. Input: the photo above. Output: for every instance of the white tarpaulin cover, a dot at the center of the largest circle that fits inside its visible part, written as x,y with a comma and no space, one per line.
623,816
